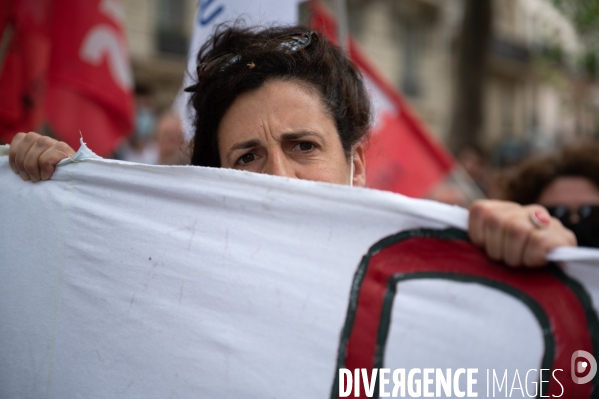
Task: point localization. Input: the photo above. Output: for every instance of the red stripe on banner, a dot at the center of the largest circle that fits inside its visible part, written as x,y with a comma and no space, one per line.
567,316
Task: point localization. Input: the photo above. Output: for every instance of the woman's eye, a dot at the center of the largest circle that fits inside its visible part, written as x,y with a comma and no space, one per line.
247,158
305,146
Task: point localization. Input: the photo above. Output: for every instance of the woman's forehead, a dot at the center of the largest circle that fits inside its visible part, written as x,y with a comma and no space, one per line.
278,107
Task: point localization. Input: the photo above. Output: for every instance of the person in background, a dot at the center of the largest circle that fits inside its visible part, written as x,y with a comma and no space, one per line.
141,146
567,184
172,147
473,160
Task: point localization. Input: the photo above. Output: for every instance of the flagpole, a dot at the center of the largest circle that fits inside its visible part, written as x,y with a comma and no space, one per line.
342,24
466,183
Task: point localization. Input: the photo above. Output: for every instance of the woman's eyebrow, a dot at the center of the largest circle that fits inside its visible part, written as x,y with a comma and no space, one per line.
244,145
299,135
284,137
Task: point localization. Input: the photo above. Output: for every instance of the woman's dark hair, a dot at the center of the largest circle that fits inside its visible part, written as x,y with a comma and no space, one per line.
320,66
534,175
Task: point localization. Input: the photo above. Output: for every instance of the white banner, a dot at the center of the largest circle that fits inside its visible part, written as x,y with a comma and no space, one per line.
211,13
122,280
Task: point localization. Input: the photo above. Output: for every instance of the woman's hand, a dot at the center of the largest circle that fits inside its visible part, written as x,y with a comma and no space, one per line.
517,235
34,156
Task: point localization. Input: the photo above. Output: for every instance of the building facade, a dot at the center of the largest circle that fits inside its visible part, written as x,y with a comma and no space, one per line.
158,32
536,94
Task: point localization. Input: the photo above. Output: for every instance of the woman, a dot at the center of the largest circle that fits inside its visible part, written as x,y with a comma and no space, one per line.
567,184
286,102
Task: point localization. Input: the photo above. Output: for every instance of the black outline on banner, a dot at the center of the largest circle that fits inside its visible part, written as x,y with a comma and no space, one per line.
457,235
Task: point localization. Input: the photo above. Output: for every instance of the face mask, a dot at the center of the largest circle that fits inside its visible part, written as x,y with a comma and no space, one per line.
145,122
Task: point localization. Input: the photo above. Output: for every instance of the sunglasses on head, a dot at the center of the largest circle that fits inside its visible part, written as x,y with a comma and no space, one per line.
287,44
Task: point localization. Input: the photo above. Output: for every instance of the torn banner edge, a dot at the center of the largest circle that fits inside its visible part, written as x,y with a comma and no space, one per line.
83,154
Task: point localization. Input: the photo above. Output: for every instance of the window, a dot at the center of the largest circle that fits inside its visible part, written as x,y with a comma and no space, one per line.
171,35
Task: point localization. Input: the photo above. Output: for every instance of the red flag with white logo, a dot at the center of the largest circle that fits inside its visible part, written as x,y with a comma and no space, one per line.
402,155
89,76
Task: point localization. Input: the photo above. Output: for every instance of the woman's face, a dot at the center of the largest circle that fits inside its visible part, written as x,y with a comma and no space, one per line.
283,129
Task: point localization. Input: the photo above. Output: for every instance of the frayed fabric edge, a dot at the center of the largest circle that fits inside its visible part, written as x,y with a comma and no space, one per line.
83,154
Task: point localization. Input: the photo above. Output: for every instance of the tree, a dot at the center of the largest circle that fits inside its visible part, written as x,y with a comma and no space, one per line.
585,16
473,47
583,13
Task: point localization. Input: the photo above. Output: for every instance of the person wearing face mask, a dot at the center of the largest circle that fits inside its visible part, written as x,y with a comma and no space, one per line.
287,102
567,184
141,147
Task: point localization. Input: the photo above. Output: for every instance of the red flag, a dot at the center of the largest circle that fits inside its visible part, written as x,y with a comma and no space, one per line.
89,77
24,55
402,155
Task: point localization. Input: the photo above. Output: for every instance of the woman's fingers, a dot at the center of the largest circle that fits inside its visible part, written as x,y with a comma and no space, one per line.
494,237
541,241
485,225
515,239
21,152
34,156
31,163
509,233
12,153
476,226
53,155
